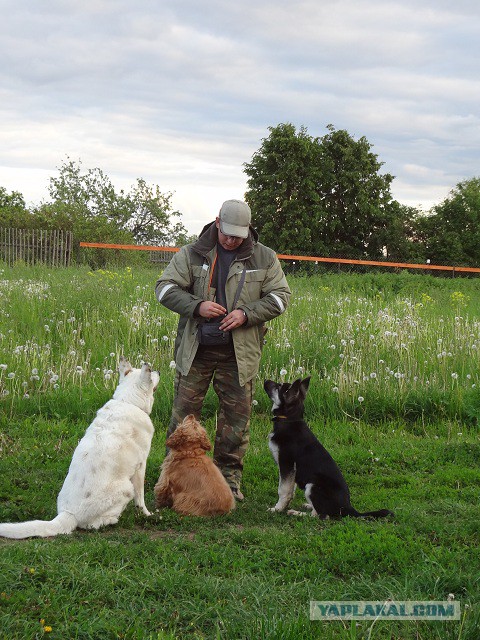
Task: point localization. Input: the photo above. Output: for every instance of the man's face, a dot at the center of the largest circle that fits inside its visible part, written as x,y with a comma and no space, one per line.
228,242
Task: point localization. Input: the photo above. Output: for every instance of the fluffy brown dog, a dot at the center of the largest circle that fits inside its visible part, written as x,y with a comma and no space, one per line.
189,482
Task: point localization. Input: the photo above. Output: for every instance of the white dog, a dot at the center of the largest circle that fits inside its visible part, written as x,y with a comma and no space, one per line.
108,465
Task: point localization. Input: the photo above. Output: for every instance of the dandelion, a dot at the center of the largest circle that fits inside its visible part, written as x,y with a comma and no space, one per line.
361,399
283,372
254,403
3,367
172,364
112,355
373,375
335,389
165,338
455,376
11,375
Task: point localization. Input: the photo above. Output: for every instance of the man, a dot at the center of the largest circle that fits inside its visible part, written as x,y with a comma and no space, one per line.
228,279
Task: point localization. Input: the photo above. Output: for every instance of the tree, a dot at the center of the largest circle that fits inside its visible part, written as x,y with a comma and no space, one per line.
144,214
320,195
13,210
282,190
148,215
451,233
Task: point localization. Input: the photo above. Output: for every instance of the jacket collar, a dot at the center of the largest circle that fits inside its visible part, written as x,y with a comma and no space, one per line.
208,241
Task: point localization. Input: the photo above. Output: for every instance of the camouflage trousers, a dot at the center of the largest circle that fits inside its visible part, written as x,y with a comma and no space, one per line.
235,404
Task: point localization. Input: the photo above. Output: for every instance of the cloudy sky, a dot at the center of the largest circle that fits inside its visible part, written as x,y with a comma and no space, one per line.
182,92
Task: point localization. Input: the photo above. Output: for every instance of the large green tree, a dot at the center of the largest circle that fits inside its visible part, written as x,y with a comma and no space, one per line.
322,196
451,233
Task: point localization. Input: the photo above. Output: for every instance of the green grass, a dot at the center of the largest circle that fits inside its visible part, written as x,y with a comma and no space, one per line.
253,573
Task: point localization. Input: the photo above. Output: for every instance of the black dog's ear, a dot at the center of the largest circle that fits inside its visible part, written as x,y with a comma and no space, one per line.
294,391
305,384
298,390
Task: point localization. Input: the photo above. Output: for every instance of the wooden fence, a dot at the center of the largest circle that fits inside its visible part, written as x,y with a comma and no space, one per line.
33,246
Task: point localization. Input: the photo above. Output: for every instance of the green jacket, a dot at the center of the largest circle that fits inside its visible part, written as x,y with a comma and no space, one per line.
265,294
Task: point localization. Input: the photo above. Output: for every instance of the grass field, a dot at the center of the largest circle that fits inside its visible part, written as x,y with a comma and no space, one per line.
394,360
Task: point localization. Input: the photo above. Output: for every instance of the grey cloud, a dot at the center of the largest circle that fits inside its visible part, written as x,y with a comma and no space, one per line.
181,92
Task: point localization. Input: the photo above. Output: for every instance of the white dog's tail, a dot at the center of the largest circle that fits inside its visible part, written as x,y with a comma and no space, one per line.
64,523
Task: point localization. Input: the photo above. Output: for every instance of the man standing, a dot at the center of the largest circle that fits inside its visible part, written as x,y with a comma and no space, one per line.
227,285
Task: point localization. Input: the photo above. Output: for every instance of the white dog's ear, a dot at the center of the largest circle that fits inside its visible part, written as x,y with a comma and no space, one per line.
124,367
148,375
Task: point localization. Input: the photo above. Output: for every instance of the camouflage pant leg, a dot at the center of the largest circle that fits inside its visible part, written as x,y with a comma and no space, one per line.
189,393
233,422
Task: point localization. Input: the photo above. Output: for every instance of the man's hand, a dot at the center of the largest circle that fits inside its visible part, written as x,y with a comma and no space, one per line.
209,309
234,320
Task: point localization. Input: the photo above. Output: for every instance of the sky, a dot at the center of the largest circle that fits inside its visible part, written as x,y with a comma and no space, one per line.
181,93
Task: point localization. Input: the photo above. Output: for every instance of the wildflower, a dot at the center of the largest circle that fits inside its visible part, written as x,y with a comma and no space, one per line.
34,372
172,364
3,367
335,389
373,375
165,338
455,376
283,372
112,355
11,375
361,399
254,403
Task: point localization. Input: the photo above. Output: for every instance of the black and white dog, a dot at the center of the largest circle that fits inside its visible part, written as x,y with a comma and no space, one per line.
302,460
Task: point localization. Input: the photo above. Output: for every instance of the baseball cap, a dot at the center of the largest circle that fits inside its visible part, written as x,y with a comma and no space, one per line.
235,216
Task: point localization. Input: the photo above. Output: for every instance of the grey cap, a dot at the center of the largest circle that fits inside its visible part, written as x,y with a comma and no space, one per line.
235,216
